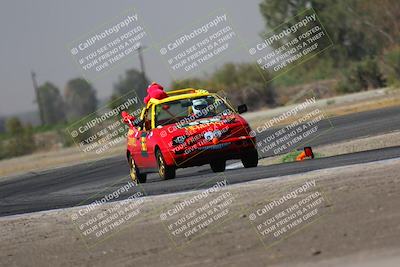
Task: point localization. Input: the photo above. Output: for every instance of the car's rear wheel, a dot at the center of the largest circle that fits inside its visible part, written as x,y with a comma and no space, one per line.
250,159
134,172
218,166
166,172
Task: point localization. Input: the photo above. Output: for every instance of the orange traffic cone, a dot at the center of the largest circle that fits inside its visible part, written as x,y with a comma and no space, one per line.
307,153
301,156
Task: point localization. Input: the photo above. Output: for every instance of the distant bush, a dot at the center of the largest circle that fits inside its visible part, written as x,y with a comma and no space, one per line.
243,83
321,68
189,83
391,66
2,150
330,102
21,141
361,76
66,138
291,156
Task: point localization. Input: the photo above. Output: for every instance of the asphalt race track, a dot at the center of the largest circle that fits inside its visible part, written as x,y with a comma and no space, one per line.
69,186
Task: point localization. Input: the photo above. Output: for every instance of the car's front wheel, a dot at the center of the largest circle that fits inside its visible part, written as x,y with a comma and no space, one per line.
218,166
134,172
166,172
250,159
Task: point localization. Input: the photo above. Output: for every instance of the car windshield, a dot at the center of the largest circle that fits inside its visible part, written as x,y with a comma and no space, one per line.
190,108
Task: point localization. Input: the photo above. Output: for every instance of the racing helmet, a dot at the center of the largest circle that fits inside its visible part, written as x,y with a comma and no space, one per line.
198,105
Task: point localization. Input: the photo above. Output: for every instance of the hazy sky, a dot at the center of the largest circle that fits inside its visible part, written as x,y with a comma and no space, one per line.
35,34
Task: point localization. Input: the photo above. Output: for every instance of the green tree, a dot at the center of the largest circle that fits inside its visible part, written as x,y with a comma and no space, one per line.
80,98
133,80
244,83
357,28
52,104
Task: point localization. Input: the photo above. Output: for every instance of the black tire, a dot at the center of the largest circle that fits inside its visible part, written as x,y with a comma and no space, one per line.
250,159
166,172
218,166
134,172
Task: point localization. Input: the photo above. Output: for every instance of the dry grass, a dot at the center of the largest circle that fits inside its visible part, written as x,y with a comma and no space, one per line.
363,106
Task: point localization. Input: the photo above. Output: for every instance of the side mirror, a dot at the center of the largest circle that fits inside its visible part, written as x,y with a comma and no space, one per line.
124,114
126,117
242,108
130,120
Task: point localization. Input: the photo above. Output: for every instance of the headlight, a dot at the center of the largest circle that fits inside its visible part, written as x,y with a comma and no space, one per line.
217,133
208,136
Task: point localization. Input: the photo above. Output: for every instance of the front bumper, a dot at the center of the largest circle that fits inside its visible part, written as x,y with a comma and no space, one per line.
200,154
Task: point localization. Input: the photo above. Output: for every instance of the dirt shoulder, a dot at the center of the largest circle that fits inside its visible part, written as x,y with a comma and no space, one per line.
359,225
346,147
53,159
334,106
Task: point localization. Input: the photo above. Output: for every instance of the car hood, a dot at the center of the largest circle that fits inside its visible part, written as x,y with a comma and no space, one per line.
228,125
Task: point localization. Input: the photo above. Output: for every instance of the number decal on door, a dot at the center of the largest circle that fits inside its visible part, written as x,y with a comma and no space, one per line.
143,144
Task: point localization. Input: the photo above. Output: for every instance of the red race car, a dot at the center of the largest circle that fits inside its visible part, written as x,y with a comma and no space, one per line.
188,128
